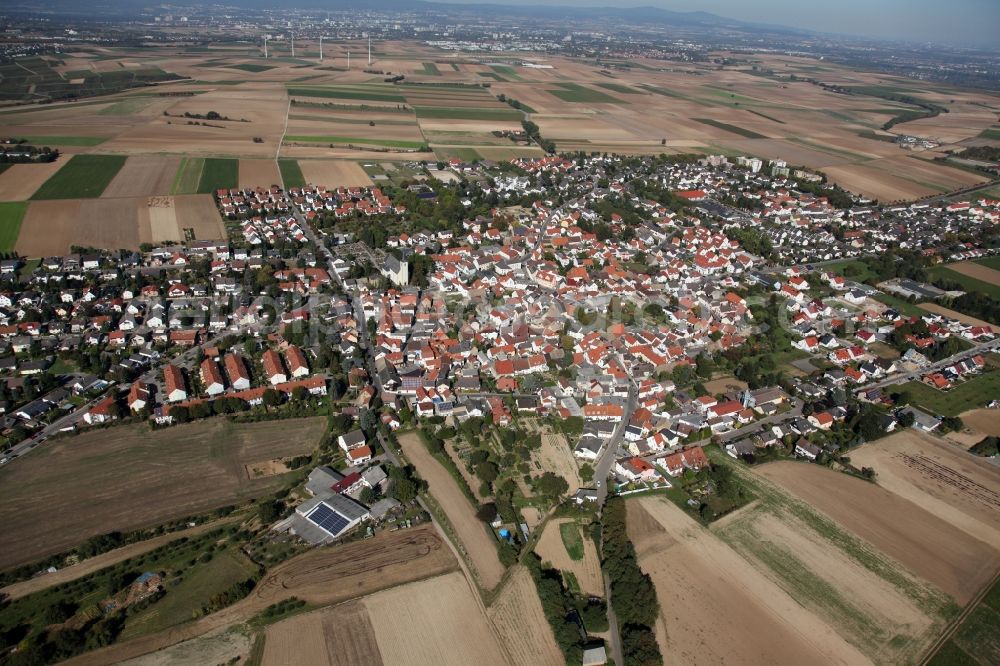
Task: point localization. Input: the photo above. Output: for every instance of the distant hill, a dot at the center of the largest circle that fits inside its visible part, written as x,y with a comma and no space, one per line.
636,15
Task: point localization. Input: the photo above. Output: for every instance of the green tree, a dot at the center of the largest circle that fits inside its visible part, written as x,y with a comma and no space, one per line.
268,511
552,485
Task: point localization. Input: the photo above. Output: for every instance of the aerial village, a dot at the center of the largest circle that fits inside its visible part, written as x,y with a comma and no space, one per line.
597,296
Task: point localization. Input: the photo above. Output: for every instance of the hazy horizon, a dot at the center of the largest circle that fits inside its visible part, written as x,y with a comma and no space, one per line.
959,22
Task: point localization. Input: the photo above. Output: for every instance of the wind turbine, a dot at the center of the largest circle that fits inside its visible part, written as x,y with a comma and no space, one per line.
265,46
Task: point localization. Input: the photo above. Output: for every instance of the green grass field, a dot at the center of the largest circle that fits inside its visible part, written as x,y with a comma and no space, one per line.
430,69
219,173
970,394
468,113
347,92
765,116
574,92
83,141
188,176
388,143
507,71
344,120
291,173
750,134
871,134
901,306
852,269
968,282
570,534
620,88
11,214
990,262
83,177
191,580
185,598
666,92
993,134
463,153
249,67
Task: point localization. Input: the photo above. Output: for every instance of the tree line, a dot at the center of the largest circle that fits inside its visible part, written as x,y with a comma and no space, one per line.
633,595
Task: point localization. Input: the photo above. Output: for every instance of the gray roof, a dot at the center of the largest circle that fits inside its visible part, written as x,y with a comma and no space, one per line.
320,481
374,476
346,507
594,656
380,508
355,437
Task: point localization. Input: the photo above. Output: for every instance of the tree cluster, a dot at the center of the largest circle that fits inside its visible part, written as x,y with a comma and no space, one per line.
633,595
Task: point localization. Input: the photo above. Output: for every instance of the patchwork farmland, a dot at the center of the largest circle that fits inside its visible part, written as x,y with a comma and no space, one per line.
301,108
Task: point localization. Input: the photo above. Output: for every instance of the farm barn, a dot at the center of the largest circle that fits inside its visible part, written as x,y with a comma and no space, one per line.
322,519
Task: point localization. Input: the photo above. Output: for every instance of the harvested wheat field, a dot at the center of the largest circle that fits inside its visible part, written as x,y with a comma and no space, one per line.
977,271
334,173
725,385
474,539
556,456
436,621
986,421
958,316
518,619
715,607
316,151
190,469
870,181
937,551
321,576
198,218
587,571
259,173
956,486
51,227
338,636
867,600
330,575
223,646
143,176
20,181
159,218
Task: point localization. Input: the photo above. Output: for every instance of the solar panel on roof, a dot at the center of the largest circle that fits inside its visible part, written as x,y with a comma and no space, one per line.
326,518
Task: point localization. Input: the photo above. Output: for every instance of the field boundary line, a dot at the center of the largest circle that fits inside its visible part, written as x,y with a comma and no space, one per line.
956,624
281,141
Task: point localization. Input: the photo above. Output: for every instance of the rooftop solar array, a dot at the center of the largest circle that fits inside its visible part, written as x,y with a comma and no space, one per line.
326,518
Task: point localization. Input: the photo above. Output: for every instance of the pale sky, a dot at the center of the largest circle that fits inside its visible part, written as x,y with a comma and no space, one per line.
962,22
